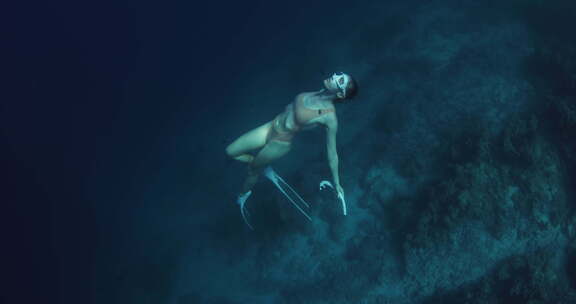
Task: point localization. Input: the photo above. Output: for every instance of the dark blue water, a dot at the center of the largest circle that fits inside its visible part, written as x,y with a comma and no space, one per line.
457,156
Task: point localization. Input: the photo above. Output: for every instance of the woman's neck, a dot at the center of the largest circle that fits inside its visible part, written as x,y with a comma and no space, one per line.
324,98
325,95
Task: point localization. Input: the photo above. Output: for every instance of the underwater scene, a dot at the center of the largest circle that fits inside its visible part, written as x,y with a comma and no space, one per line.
158,157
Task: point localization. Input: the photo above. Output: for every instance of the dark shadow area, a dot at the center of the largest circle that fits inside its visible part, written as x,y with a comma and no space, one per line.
571,267
505,284
552,72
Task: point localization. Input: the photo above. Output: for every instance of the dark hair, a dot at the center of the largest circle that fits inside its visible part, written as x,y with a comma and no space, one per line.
352,89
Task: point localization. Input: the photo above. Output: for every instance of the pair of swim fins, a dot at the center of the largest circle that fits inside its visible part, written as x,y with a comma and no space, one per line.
293,197
281,184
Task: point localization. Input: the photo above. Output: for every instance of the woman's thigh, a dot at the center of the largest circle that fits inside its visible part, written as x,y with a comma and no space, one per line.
272,151
251,140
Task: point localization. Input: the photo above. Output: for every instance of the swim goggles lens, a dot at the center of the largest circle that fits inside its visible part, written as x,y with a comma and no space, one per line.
336,78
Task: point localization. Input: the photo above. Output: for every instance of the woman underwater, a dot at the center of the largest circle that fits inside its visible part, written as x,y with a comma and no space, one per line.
273,139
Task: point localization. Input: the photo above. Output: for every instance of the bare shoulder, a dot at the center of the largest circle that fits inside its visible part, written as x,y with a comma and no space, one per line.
304,96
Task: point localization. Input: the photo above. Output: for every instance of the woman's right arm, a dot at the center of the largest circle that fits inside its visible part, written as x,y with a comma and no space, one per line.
331,131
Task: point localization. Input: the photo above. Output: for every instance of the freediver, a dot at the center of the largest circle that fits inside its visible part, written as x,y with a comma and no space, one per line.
272,140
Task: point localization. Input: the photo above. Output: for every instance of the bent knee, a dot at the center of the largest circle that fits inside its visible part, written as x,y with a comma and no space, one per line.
233,150
230,151
238,155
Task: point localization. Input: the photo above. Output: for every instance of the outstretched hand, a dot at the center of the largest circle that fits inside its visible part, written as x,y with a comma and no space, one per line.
339,192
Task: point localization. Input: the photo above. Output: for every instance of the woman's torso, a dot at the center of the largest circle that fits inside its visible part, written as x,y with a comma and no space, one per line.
306,112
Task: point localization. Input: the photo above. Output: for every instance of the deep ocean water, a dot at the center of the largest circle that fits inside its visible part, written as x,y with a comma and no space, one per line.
457,157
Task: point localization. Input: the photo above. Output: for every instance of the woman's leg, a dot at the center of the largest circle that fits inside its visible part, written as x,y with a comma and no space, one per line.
271,151
251,140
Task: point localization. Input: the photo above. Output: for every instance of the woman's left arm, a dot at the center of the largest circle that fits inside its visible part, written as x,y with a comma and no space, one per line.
331,131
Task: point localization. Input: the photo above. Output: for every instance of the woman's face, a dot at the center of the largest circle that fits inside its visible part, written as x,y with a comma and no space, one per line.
337,83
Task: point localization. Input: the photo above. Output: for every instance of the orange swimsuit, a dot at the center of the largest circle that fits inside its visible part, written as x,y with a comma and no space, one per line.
302,115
